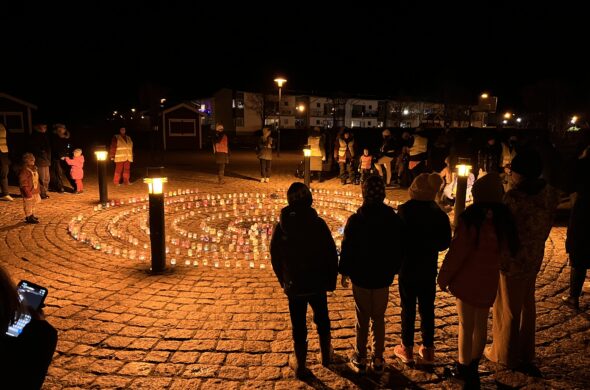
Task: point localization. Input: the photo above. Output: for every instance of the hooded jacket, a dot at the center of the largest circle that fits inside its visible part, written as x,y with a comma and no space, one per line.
303,252
372,248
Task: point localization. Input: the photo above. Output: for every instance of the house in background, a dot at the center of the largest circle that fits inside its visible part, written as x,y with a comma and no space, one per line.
17,116
182,127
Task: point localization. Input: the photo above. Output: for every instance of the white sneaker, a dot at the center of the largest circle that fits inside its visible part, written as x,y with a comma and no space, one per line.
7,198
267,179
262,180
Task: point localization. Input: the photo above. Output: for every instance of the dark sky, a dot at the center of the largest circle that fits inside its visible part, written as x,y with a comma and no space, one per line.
89,57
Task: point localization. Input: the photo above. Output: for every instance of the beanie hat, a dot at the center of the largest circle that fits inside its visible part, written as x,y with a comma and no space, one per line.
488,189
298,195
527,163
425,187
374,189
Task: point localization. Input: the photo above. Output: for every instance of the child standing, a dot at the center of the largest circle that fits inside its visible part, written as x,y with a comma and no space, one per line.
366,163
28,181
76,169
485,238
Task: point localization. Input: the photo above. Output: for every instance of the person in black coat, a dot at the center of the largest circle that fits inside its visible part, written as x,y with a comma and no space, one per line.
488,157
24,360
428,231
577,243
40,146
372,253
305,261
60,147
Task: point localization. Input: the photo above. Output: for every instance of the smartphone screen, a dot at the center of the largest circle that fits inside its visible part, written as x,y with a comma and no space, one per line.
30,295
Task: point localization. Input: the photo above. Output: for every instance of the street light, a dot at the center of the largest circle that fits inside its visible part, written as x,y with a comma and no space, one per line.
484,95
155,182
280,81
574,119
508,115
307,164
463,170
101,162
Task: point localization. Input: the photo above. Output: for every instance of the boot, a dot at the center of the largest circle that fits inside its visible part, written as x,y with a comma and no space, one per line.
459,372
326,350
473,381
297,361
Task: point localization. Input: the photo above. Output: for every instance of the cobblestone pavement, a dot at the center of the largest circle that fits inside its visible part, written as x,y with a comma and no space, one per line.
205,328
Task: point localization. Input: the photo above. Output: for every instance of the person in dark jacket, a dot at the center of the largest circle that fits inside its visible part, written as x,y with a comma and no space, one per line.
387,157
577,243
488,157
305,261
24,360
40,146
371,256
428,231
59,148
345,154
264,154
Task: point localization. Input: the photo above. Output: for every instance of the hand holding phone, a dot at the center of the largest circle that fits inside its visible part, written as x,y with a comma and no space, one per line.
32,298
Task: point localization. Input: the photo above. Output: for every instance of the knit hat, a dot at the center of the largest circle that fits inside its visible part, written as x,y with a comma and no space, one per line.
298,195
425,186
488,189
374,189
527,163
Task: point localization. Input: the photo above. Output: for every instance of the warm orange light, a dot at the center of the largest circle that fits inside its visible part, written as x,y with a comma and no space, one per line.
155,184
280,81
301,108
101,155
574,119
307,151
508,115
485,96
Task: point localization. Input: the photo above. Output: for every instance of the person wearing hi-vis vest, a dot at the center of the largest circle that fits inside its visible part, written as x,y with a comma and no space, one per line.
122,154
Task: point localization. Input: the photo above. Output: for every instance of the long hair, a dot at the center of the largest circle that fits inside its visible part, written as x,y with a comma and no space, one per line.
504,224
10,307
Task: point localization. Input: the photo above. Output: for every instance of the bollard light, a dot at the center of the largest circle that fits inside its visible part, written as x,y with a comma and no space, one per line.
307,164
155,180
102,155
463,170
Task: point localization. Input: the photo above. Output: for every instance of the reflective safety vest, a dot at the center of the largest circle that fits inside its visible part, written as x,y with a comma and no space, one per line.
124,150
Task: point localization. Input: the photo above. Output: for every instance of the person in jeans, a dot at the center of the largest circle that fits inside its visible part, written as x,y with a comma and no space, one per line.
305,261
371,256
40,146
264,152
428,232
485,238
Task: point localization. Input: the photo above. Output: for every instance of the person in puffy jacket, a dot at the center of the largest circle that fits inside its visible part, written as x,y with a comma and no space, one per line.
372,254
305,261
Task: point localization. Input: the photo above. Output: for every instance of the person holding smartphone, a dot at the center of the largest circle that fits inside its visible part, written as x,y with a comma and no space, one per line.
25,351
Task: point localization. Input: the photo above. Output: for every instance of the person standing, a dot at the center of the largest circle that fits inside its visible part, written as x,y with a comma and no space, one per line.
577,243
305,262
28,182
488,157
484,239
76,164
40,146
344,153
316,142
265,145
60,148
386,157
428,232
122,154
533,203
372,253
4,165
221,151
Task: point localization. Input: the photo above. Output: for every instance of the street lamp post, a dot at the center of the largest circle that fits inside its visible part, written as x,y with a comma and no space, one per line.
155,182
307,164
463,170
280,81
101,160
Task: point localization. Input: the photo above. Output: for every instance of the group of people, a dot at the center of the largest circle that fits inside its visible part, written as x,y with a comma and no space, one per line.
492,263
43,165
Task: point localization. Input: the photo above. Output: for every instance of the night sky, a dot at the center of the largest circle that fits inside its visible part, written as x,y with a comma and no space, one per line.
84,59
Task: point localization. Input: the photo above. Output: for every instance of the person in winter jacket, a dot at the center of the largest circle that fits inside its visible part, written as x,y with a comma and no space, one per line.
533,203
344,153
221,152
387,155
484,239
77,169
28,181
305,261
4,164
577,243
366,162
60,147
122,154
372,253
40,146
428,232
265,145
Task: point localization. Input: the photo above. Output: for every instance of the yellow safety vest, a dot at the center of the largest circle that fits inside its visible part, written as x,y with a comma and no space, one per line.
124,150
